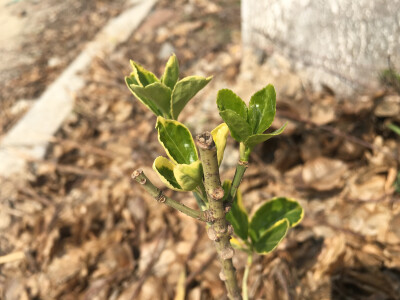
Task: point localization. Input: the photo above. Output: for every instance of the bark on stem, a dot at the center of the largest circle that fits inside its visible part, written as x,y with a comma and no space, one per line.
155,192
219,231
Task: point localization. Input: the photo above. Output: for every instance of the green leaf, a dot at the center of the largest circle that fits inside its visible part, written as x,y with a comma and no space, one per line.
238,244
171,72
239,128
165,170
237,216
272,237
220,134
185,90
189,176
143,76
272,212
226,99
156,93
256,139
394,128
130,82
262,109
132,78
177,141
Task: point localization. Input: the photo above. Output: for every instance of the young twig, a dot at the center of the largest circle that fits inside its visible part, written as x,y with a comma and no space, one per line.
241,167
155,192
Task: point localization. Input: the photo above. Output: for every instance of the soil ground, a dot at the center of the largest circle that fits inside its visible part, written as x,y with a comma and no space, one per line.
77,227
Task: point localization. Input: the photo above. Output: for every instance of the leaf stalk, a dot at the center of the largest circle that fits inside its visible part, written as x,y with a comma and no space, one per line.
246,275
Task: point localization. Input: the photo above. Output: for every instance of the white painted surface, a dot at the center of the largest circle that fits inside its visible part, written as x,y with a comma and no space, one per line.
28,139
344,44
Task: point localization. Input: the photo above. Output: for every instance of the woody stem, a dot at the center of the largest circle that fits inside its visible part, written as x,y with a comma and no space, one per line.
219,231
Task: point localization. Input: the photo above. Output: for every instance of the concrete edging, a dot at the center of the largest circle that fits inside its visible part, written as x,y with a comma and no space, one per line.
28,139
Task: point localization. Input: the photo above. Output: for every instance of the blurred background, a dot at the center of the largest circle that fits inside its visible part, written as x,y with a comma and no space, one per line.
74,226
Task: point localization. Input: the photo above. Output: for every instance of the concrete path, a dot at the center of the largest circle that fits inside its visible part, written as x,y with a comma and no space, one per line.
29,138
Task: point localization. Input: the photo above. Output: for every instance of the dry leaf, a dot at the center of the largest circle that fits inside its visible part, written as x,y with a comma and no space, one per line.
389,106
324,174
369,188
323,112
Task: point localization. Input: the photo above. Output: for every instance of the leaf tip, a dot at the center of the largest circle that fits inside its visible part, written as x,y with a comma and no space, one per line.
132,63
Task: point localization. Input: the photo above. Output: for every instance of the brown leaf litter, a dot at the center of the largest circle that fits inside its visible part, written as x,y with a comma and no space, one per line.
76,227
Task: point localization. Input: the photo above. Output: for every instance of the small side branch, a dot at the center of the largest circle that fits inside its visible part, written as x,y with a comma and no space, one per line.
241,167
157,194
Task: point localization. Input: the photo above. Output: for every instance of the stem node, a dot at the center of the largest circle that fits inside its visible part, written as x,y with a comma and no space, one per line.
161,198
136,173
221,230
230,229
212,235
218,193
227,253
227,207
209,216
243,163
222,275
205,141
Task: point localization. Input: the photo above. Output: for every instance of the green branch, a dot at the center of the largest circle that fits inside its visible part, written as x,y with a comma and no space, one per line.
241,167
157,194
